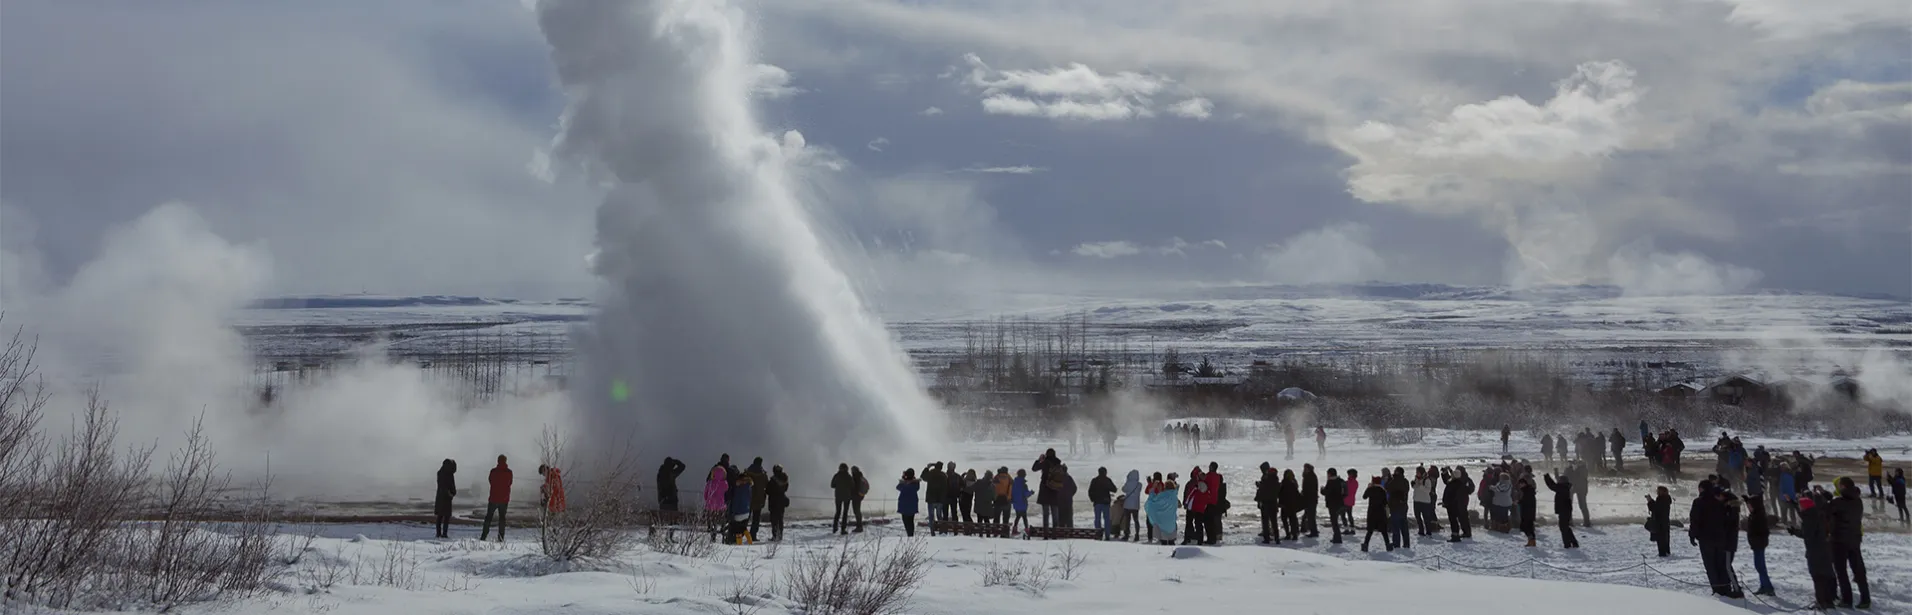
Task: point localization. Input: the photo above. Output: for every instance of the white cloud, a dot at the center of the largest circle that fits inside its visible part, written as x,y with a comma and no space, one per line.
1021,169
772,82
1638,269
1789,19
1333,254
1589,115
796,149
877,144
1175,246
945,257
1194,108
1106,249
932,111
1074,92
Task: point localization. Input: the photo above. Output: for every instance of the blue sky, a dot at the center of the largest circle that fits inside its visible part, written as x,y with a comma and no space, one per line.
1688,146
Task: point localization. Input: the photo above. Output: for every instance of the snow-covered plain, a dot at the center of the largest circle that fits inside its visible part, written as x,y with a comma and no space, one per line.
463,576
1615,571
1232,323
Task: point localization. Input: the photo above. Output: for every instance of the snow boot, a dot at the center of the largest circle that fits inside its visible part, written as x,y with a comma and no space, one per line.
1530,542
1864,605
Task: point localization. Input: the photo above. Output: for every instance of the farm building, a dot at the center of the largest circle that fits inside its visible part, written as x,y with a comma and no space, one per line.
1741,390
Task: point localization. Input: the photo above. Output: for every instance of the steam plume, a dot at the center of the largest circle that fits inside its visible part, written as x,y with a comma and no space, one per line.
723,327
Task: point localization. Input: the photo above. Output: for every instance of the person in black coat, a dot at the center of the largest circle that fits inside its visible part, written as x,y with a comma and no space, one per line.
1268,501
1460,489
1758,529
1045,467
1310,496
1843,518
1659,520
779,501
933,485
1812,531
1529,503
667,484
1713,526
1563,509
441,501
843,487
1377,498
1101,491
1290,505
1332,492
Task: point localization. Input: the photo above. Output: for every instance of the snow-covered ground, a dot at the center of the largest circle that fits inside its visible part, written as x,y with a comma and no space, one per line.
462,576
1615,571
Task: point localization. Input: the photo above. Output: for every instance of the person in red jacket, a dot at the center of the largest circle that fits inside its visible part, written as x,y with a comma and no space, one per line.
1196,504
500,496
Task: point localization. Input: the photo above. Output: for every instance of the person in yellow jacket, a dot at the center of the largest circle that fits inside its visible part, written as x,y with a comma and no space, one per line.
1004,487
1875,473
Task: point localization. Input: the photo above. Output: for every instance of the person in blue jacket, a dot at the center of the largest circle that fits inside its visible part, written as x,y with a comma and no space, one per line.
739,509
906,490
1019,500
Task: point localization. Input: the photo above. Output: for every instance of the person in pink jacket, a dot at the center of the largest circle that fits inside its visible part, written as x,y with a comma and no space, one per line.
715,502
1347,506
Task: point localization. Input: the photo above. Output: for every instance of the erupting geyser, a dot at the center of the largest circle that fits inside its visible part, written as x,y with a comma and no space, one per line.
724,326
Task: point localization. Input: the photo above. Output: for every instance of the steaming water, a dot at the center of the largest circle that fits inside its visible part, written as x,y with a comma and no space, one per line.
724,327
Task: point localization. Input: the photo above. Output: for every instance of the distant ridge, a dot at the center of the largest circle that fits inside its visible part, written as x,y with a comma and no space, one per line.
1367,290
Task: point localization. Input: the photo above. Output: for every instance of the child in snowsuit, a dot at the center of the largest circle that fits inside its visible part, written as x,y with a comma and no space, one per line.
739,509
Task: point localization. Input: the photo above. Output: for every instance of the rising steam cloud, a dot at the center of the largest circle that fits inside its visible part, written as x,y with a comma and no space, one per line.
147,322
723,326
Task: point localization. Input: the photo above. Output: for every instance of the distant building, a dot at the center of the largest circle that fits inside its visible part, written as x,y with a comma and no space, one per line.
1684,389
1741,390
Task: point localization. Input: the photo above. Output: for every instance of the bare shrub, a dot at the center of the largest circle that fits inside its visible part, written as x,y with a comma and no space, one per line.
1069,561
22,397
1029,573
299,544
600,499
72,534
857,578
396,567
682,543
642,582
743,591
184,558
326,572
82,524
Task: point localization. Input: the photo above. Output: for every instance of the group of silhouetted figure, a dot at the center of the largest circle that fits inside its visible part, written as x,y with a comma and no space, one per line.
1164,509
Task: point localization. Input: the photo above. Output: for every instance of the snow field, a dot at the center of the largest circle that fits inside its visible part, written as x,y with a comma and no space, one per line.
395,568
405,572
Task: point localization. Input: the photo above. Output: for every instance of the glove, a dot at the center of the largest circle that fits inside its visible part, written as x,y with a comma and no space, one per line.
1695,541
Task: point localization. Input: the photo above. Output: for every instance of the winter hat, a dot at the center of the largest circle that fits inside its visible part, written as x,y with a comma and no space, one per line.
1805,503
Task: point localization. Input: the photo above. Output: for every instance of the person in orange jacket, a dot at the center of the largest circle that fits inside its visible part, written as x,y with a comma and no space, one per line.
553,491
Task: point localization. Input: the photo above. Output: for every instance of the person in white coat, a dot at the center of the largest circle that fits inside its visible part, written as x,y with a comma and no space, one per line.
1128,522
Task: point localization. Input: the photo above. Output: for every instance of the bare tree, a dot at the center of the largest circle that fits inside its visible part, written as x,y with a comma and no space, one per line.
599,500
